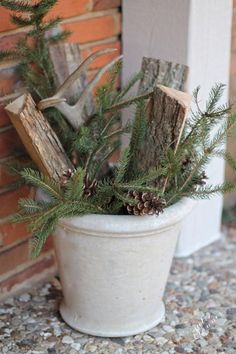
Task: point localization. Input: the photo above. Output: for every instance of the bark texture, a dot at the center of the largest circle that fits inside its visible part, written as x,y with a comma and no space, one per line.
156,71
167,108
39,139
167,112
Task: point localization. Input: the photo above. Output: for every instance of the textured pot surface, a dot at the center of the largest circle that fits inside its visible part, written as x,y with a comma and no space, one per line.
114,269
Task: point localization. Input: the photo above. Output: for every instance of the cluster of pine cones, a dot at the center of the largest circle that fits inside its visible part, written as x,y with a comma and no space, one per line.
147,203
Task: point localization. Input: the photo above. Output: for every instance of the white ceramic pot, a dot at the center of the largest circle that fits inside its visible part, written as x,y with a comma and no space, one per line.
114,269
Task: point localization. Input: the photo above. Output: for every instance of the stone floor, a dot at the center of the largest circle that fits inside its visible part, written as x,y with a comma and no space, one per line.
200,314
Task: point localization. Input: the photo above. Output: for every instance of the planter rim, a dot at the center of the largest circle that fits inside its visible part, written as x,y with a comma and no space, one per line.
107,225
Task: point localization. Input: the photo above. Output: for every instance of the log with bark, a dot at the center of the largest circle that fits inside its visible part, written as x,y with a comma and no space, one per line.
39,139
167,109
161,72
167,113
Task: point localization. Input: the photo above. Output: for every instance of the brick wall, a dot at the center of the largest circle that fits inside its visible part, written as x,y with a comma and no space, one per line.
95,24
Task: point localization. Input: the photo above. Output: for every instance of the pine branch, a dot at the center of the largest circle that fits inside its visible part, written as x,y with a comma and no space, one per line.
31,206
17,6
47,184
137,137
21,21
209,191
214,97
7,54
41,236
122,166
75,185
127,87
132,186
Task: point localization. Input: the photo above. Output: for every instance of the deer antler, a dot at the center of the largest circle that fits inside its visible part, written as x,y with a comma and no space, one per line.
74,113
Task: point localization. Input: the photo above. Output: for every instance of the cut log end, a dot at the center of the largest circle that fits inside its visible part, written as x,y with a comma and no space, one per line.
183,98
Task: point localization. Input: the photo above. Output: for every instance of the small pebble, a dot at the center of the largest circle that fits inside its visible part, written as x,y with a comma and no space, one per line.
25,298
161,341
90,348
57,331
67,340
45,334
118,351
168,329
76,346
148,338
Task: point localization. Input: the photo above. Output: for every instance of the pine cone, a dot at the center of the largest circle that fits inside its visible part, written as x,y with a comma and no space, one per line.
66,176
89,186
148,203
186,163
201,179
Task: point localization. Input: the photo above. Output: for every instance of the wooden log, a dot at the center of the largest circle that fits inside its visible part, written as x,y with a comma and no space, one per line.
167,113
161,72
39,139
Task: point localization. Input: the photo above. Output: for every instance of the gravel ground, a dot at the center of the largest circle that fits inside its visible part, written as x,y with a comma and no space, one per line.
200,314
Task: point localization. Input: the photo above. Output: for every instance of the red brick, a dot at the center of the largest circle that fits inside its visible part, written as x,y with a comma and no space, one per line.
94,29
49,245
26,276
234,21
105,4
10,143
5,176
101,61
9,80
19,253
8,42
9,200
12,233
233,64
101,82
5,23
233,86
14,256
70,8
4,119
233,42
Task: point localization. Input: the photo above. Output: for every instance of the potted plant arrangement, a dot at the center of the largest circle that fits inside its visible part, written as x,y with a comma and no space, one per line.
115,226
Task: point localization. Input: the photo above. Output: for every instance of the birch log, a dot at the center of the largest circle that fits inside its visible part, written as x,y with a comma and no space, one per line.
167,113
39,139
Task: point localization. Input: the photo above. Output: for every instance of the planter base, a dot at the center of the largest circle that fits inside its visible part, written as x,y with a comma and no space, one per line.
77,324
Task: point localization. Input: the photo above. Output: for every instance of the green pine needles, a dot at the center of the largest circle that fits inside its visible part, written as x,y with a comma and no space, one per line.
203,138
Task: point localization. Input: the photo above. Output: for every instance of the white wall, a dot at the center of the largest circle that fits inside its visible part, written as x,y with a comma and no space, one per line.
196,33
